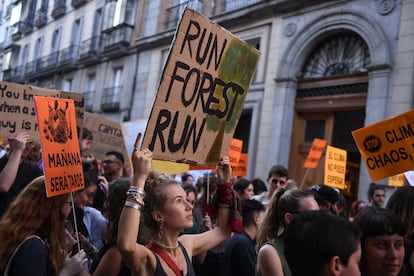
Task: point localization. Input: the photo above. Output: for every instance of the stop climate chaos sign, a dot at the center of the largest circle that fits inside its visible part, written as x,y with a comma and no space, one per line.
387,147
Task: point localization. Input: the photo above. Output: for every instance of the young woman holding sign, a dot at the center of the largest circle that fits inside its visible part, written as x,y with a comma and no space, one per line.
159,202
32,235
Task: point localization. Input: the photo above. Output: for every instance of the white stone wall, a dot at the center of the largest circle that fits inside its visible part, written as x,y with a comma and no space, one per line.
402,89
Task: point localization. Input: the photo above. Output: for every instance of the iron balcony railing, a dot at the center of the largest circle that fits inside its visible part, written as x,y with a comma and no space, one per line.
14,75
48,62
31,67
174,12
111,99
59,8
41,17
119,35
78,3
90,48
69,55
230,5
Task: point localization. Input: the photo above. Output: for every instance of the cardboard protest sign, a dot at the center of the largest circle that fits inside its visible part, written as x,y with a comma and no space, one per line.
241,168
410,177
62,162
17,112
130,131
315,153
387,146
396,180
335,167
201,93
107,136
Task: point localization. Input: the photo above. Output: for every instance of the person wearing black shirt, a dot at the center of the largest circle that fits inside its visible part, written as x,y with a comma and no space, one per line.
240,255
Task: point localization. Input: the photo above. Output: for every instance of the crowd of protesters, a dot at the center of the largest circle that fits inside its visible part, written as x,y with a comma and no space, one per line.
148,223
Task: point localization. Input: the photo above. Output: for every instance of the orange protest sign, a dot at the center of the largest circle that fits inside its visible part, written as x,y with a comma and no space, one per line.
241,168
62,161
315,153
396,180
387,146
236,146
335,167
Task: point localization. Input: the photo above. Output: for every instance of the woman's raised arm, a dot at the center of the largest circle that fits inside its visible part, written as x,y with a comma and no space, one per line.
223,203
134,254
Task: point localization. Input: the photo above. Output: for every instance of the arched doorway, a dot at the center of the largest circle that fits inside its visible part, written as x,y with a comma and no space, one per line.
330,102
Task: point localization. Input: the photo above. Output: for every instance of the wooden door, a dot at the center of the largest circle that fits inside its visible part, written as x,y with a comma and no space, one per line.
306,127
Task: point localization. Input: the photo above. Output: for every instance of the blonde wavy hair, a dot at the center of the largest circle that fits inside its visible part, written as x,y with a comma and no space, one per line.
155,197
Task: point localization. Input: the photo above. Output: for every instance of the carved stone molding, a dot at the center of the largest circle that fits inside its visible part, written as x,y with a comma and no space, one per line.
290,29
385,6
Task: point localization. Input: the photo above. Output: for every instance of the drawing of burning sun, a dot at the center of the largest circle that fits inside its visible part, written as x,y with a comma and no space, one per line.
57,126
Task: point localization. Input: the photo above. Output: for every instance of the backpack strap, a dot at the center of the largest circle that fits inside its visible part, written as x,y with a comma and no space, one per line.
6,272
166,258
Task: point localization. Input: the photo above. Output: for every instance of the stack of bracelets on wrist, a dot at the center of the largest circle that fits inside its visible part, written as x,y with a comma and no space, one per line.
136,196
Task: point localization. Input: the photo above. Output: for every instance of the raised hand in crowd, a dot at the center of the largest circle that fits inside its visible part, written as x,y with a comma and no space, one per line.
75,265
19,148
166,211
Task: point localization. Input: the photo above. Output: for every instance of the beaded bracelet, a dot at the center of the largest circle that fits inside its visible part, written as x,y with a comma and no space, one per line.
137,199
136,190
136,196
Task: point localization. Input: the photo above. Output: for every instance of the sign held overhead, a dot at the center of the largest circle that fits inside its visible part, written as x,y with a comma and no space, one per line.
201,93
387,147
62,162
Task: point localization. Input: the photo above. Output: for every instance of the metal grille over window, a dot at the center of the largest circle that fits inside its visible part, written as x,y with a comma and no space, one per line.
338,56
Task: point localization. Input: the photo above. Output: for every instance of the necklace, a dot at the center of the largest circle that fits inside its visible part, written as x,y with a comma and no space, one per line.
164,246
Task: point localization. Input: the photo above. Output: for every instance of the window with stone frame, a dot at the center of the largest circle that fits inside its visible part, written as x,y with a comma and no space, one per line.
343,54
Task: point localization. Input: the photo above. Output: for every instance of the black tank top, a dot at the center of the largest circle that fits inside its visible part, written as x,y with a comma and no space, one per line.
159,271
